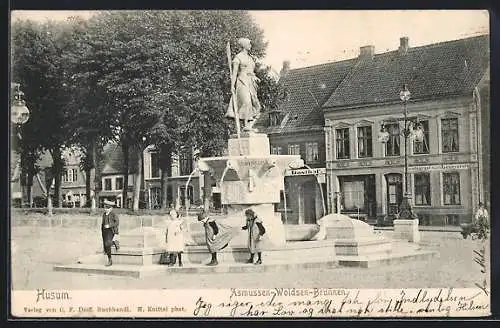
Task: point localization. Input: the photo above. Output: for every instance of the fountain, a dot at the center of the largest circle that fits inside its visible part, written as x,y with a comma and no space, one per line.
249,177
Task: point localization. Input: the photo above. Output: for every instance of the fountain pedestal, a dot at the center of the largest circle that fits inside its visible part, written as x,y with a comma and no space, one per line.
248,178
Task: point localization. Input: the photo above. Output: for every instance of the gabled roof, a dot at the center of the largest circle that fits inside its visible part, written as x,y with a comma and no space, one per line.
307,88
436,70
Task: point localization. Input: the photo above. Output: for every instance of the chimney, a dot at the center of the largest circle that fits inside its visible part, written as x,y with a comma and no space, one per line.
403,45
285,68
366,52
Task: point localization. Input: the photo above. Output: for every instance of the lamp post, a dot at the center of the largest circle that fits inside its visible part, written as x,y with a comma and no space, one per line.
19,115
411,129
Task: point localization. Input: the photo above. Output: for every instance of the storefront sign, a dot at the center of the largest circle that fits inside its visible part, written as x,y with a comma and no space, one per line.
317,171
320,173
439,167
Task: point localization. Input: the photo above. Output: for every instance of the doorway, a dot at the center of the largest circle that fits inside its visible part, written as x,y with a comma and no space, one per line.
394,192
309,189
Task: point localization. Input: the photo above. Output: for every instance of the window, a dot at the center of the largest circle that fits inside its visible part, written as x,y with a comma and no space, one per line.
449,133
312,154
276,150
365,141
294,149
155,165
155,197
119,184
342,139
451,188
274,119
422,189
392,144
182,195
107,184
185,163
70,175
422,147
353,195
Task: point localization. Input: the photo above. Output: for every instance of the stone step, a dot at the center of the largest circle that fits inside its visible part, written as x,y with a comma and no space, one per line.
140,271
406,254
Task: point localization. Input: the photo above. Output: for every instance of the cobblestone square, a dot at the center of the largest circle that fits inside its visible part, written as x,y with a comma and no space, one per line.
35,250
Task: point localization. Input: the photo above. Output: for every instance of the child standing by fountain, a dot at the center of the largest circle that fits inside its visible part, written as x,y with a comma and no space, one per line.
255,230
217,236
175,237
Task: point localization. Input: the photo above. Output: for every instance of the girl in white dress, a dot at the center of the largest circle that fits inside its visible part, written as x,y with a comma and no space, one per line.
174,237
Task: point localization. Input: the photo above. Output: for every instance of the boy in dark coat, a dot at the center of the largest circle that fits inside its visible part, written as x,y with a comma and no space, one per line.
109,230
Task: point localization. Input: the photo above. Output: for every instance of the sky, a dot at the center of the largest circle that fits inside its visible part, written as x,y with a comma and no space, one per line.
311,37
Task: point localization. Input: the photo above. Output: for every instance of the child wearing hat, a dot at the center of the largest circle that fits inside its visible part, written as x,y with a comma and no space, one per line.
109,230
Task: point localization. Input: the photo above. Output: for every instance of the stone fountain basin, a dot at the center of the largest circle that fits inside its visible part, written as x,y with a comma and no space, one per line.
303,232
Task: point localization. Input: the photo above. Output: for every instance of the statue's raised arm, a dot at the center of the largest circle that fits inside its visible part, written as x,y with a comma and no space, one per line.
244,104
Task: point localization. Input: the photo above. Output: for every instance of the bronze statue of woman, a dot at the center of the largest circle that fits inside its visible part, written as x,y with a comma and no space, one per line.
244,102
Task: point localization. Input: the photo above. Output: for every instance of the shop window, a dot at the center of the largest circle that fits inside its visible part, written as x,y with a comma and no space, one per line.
119,183
107,184
422,147
342,143
276,150
294,149
365,141
449,134
353,195
451,188
422,189
312,154
392,146
155,165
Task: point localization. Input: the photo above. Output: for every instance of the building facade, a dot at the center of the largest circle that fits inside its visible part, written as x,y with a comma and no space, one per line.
184,185
445,169
296,127
110,177
73,179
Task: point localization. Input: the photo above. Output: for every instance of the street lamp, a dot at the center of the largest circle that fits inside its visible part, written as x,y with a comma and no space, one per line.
19,115
19,112
412,128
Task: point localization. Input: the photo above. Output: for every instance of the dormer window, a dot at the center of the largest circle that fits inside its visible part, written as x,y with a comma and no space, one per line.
274,118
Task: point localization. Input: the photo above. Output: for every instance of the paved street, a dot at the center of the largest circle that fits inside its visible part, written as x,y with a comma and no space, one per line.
37,249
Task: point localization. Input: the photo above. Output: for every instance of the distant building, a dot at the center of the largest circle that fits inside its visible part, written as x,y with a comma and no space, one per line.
110,176
73,181
184,184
